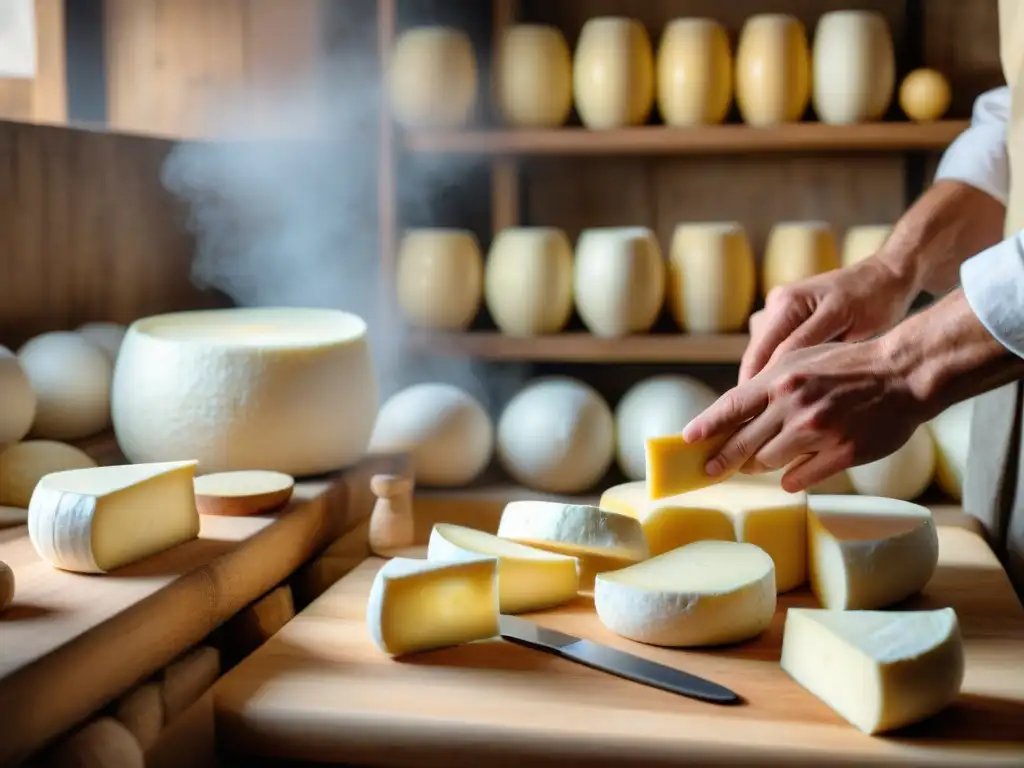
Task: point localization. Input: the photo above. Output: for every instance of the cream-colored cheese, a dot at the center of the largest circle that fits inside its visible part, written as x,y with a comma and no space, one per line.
613,73
107,336
694,72
951,431
433,77
440,278
904,474
925,95
773,70
863,241
242,493
533,76
17,399
797,250
24,464
854,67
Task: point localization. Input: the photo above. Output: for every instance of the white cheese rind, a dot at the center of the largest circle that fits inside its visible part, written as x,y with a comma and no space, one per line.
574,529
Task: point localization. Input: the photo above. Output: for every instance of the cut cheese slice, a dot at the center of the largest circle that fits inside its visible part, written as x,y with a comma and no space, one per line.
574,529
879,670
419,605
529,579
867,552
98,519
706,593
241,493
675,466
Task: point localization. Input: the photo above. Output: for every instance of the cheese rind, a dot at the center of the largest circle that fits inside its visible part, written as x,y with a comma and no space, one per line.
419,605
868,552
574,529
99,519
904,474
879,670
675,466
706,593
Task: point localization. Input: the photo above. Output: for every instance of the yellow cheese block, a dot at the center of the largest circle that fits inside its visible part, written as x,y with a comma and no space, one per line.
773,69
675,466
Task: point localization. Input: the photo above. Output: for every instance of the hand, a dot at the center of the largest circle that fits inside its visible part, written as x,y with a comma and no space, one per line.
847,304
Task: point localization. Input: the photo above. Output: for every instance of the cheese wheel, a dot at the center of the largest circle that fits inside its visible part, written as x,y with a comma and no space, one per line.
528,281
23,465
574,529
951,431
71,379
864,241
712,277
556,435
446,431
797,250
107,336
613,73
904,474
17,399
433,78
660,405
838,483
288,390
440,276
250,492
694,73
854,67
103,743
618,280
925,95
533,76
773,70
6,586
11,517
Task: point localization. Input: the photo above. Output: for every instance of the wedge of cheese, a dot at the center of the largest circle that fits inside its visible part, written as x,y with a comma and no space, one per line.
706,593
879,670
529,579
419,605
675,466
867,552
101,518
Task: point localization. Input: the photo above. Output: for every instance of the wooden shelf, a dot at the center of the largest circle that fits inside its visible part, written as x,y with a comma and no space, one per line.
585,347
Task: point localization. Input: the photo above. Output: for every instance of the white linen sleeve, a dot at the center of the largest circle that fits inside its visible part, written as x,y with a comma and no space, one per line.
978,155
993,284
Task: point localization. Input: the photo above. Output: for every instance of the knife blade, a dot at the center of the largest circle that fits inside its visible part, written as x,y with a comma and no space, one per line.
613,661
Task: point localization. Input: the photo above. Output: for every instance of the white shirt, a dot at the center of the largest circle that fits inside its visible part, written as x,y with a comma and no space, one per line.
993,280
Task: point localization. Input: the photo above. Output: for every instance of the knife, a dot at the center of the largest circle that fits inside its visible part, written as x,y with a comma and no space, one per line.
615,662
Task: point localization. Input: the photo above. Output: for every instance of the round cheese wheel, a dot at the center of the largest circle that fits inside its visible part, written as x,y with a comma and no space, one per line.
557,436
618,280
925,95
440,278
107,336
836,485
694,73
24,464
533,76
661,405
613,73
433,78
104,743
71,379
246,492
447,432
904,474
951,431
712,277
528,281
17,399
773,70
6,586
797,250
288,390
854,67
864,241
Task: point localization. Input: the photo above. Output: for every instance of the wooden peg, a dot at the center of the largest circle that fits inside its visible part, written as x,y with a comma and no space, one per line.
391,522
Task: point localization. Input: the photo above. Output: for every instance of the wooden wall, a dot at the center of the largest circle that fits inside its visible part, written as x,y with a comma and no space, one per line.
42,99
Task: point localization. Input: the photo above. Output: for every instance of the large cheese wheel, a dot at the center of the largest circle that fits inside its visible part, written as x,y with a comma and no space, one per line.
951,431
712,277
71,379
533,76
433,77
660,405
528,280
797,250
17,399
447,432
23,465
773,70
613,73
694,72
854,69
290,390
904,474
925,95
618,280
557,435
864,241
440,278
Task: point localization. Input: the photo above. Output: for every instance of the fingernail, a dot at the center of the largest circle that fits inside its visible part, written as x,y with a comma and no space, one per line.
691,432
713,468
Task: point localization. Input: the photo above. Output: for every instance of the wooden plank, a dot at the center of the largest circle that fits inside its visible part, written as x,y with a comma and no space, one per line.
42,99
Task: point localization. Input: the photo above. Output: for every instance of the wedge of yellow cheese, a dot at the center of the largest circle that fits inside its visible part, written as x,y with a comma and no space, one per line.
675,466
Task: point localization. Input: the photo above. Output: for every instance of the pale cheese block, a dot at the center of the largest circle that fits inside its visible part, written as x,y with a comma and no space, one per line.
420,605
773,70
879,670
863,242
528,280
7,584
613,73
797,250
71,379
925,95
23,465
186,679
951,431
433,77
446,431
103,743
706,593
17,399
654,407
141,711
557,435
100,519
107,336
285,389
529,579
13,516
693,72
904,474
440,278
619,278
854,67
245,492
675,466
533,76
712,277
868,552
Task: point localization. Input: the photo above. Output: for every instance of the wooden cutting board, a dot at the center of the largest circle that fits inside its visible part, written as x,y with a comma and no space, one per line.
320,691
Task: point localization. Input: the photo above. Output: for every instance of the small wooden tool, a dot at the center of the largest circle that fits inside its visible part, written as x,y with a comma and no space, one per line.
391,522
